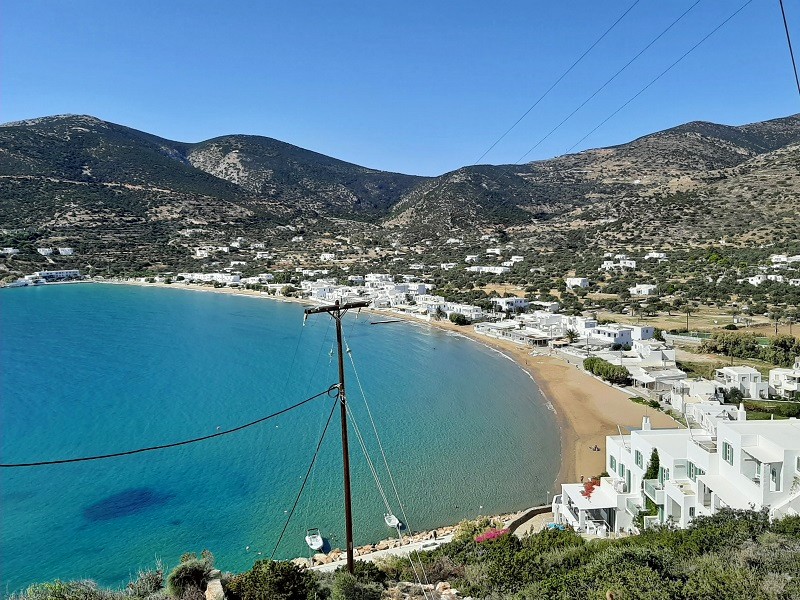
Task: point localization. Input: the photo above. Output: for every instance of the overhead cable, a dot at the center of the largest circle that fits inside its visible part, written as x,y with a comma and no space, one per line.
165,446
305,479
660,75
557,81
608,81
791,52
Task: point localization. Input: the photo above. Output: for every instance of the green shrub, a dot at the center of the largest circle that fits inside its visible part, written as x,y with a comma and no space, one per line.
191,575
147,582
271,580
348,587
459,319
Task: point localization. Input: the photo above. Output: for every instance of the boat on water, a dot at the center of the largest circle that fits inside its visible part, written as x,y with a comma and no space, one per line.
314,539
391,521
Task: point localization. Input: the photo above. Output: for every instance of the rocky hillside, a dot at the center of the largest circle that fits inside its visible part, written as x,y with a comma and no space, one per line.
639,181
116,192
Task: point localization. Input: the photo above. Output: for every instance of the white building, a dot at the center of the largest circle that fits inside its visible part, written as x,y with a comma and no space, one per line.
572,282
513,303
614,333
516,258
473,313
9,251
489,269
56,275
447,266
45,251
66,251
471,258
643,289
263,255
660,256
327,257
757,279
226,278
735,463
785,382
745,379
495,251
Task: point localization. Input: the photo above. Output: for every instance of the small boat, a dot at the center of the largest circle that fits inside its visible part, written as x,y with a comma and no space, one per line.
314,539
391,520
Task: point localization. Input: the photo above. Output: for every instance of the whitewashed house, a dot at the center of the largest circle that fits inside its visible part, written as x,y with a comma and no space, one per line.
9,251
513,303
785,382
489,269
659,256
734,463
66,251
643,289
470,258
757,279
327,256
745,379
45,251
571,282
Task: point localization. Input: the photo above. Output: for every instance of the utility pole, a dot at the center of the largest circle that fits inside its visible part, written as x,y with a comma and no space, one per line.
337,311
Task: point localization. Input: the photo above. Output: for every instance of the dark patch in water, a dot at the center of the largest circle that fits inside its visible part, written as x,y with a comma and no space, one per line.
124,503
175,522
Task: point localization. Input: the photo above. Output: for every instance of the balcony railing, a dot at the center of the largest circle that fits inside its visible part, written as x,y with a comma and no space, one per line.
654,490
632,507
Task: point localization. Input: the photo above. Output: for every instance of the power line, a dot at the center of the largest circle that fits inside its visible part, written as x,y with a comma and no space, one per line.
563,75
791,52
612,78
305,479
660,75
172,445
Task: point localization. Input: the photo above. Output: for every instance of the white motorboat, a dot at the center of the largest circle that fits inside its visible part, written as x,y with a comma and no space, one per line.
314,539
391,520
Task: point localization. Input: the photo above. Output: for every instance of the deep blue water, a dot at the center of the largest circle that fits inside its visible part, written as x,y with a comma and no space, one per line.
94,369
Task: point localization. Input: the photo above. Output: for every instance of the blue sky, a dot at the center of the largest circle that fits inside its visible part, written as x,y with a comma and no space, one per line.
415,87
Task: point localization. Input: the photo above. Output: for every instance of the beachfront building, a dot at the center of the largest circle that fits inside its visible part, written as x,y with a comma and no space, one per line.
473,313
786,382
733,463
226,278
745,379
572,282
61,275
613,334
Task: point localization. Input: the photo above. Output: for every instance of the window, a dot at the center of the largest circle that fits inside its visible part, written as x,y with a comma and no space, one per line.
640,461
691,471
691,511
621,470
797,464
727,453
776,482
613,462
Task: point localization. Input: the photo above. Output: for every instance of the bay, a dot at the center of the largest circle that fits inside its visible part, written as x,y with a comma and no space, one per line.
91,369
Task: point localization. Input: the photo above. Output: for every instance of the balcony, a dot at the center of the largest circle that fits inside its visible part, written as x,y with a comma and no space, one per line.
632,507
654,490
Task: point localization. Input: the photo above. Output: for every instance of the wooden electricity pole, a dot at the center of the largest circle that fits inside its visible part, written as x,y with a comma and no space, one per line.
337,311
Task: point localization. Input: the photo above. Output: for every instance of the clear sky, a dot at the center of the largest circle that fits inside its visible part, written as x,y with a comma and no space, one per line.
416,87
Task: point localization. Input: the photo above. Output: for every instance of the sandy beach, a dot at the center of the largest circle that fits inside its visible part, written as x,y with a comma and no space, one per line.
587,409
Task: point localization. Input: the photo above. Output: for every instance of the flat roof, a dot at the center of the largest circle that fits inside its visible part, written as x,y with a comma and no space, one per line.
728,492
599,499
764,454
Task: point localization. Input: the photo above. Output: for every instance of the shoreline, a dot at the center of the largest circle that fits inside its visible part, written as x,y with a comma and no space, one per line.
586,409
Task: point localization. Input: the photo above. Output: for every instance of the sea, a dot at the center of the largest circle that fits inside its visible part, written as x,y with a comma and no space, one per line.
95,369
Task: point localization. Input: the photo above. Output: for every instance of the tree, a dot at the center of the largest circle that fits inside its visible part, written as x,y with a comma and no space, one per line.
571,335
459,319
652,466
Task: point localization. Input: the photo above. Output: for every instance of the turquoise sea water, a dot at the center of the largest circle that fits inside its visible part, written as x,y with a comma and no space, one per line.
92,369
